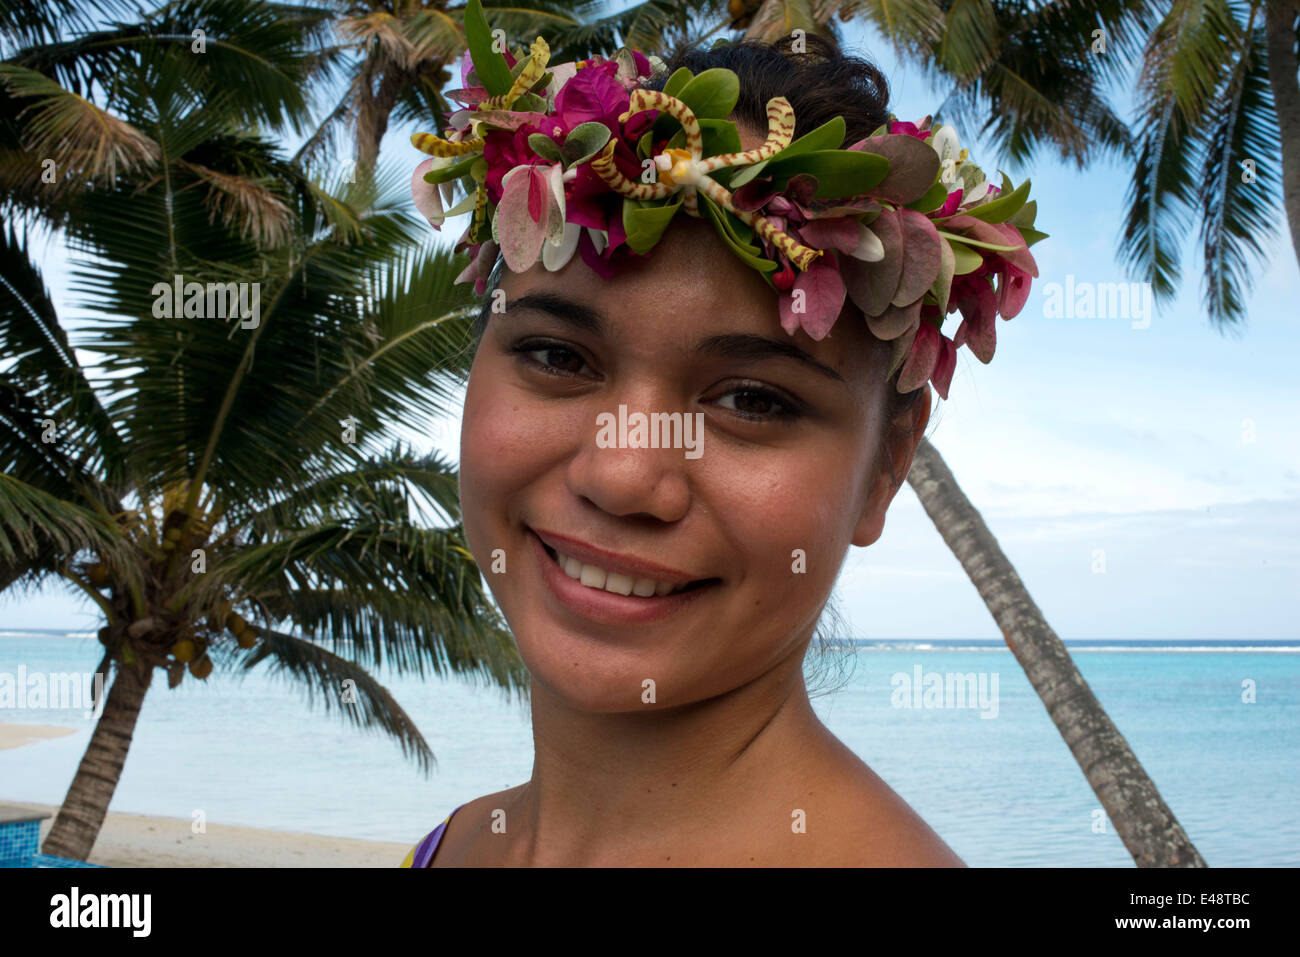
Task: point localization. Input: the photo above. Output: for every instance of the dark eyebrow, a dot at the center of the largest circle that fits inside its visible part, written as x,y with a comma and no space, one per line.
737,345
566,310
747,346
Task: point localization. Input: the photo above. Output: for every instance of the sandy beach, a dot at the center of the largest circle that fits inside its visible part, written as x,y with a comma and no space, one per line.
137,840
16,735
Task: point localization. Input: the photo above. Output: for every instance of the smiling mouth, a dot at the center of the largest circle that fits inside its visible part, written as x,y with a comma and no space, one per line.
600,579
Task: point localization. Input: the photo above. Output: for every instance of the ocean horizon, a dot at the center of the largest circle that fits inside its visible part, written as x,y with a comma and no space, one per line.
951,724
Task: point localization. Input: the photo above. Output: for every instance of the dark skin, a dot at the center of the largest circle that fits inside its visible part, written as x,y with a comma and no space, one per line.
729,765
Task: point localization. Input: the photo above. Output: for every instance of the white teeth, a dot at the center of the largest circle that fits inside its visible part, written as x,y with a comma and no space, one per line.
619,584
595,577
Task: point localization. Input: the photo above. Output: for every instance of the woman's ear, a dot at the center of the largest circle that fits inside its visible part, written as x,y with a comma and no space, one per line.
898,445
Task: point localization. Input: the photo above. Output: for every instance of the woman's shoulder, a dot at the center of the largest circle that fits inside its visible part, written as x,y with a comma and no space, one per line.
862,821
448,833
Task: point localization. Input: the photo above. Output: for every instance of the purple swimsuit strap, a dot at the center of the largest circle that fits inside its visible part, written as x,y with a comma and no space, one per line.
429,846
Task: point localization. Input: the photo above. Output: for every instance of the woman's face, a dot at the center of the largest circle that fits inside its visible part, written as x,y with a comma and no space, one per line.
757,515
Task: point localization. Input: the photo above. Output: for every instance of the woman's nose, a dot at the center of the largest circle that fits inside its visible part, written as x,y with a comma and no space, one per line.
634,460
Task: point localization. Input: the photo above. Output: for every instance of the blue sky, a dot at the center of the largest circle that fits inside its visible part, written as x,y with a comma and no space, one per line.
1169,456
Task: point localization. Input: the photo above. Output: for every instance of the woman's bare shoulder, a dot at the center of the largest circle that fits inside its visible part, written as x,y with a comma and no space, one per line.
467,825
868,824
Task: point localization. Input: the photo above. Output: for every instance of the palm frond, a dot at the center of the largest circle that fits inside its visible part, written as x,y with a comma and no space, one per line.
45,379
341,684
1235,214
84,141
334,494
35,524
376,586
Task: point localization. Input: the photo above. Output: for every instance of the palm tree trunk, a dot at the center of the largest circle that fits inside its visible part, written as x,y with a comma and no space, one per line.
1279,20
1145,824
78,822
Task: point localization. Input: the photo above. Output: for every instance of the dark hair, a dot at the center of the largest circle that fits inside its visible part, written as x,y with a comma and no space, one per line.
821,82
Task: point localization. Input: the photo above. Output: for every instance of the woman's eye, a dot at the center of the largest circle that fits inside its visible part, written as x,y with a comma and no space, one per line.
551,357
753,403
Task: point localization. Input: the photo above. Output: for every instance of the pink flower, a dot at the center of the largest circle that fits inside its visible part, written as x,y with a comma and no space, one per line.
911,129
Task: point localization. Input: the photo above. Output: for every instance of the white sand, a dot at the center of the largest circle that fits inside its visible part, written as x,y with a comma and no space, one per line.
136,840
16,735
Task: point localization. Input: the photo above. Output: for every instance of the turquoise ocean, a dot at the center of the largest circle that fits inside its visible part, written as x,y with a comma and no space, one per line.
1001,790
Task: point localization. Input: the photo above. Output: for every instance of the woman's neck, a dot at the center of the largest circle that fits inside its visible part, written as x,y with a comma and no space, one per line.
622,788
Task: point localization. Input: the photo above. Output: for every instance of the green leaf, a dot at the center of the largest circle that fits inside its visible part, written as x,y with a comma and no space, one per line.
977,242
712,94
1025,215
488,64
645,224
529,103
1005,206
583,142
941,288
746,252
828,136
466,205
677,81
720,136
745,174
1031,235
967,259
545,147
839,173
448,173
932,199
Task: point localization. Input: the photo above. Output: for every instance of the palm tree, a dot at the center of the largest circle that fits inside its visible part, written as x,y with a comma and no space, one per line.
1006,59
1216,86
398,56
226,486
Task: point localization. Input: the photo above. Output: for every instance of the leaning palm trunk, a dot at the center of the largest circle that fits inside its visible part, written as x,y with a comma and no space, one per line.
79,820
1145,824
1280,20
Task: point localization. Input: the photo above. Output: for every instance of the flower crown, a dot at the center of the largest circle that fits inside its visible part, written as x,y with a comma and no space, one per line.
582,157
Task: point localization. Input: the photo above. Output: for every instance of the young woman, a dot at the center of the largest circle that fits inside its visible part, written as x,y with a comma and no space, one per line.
663,594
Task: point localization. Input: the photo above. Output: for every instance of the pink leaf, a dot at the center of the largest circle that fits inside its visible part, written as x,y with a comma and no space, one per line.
815,302
895,321
920,361
979,311
518,230
1013,290
944,366
922,257
425,195
872,285
538,187
842,233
